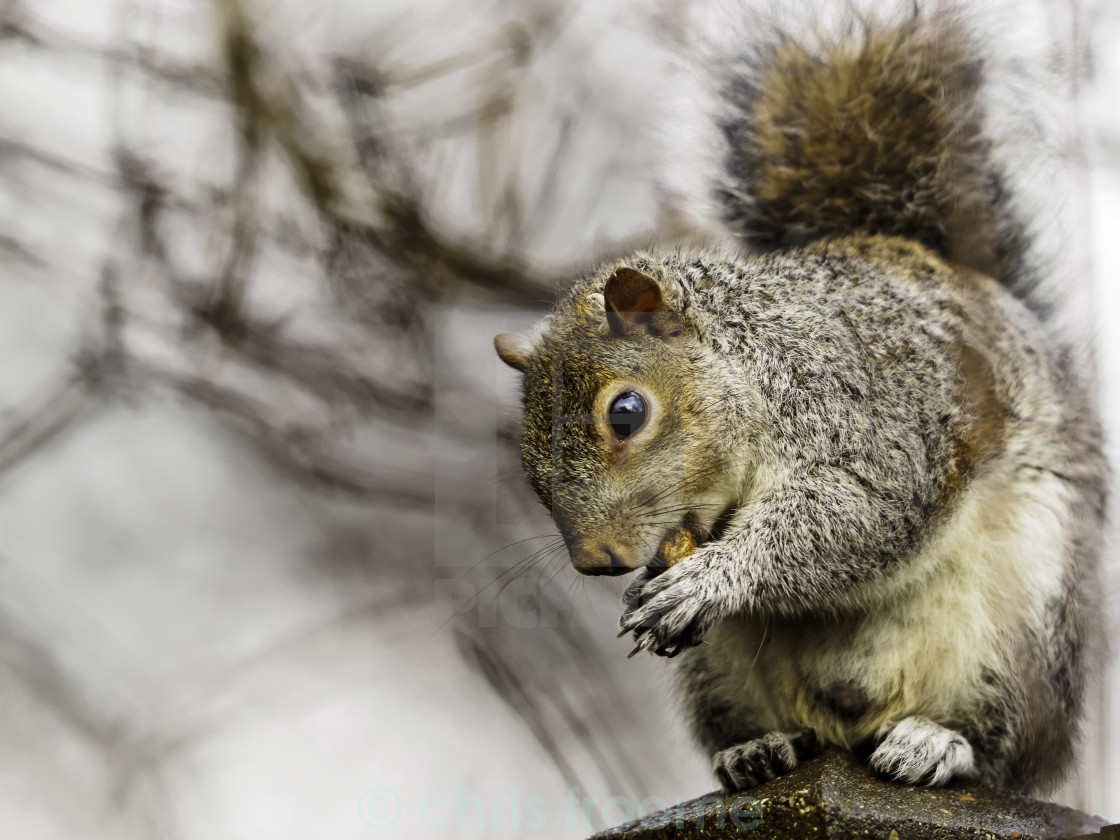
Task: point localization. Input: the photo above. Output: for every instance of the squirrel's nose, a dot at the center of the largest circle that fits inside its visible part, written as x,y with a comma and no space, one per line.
603,558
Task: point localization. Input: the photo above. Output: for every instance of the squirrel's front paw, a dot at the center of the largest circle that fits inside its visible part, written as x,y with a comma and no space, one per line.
672,611
918,751
749,765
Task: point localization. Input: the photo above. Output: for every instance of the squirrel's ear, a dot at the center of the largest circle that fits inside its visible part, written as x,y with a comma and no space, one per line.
514,349
631,298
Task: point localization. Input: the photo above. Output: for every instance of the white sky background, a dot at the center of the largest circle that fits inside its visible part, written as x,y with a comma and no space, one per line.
181,653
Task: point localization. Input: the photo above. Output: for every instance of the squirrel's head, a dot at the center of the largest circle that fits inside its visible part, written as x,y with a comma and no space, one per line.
625,423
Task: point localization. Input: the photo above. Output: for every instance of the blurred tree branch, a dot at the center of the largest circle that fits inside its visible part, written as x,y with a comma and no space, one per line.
294,293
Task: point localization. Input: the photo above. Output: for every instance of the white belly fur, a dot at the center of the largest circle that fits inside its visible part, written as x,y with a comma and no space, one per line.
919,643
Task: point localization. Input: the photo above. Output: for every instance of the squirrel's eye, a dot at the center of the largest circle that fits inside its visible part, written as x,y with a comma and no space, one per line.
627,414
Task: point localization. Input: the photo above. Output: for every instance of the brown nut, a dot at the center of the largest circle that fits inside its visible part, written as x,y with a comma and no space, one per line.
676,546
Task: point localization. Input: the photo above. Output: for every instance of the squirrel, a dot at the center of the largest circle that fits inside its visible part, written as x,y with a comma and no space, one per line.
884,466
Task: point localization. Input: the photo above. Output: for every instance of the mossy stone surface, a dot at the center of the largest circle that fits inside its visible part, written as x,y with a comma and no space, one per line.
835,797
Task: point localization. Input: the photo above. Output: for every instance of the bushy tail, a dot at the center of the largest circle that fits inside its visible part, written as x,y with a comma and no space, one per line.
878,130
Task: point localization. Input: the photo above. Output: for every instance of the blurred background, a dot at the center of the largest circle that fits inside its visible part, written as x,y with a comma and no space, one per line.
268,567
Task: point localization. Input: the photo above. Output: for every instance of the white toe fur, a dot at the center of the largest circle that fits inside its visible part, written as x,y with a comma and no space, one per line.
918,751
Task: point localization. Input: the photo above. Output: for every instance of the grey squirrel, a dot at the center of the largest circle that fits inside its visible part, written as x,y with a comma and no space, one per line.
859,478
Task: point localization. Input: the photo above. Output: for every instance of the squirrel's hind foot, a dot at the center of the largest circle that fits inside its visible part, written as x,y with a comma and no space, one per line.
917,751
749,765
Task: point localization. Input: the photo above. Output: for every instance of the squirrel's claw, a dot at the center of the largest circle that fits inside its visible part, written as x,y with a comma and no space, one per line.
667,613
633,591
